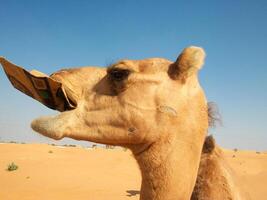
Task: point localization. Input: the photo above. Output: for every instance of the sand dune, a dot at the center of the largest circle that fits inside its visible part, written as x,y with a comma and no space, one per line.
71,173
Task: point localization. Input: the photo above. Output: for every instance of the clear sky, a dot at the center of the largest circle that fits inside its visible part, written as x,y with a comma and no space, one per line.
49,35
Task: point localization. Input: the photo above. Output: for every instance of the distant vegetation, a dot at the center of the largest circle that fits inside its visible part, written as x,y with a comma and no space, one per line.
69,145
12,142
110,146
12,167
93,146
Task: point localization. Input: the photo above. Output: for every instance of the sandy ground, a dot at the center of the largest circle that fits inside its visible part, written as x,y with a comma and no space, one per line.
72,173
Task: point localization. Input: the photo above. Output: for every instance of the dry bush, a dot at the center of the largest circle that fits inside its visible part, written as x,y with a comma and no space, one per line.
12,167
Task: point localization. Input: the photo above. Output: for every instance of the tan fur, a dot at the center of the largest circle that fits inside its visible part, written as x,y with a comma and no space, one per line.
216,180
159,112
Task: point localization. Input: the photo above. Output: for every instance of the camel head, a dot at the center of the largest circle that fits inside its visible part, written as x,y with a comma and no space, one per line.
132,103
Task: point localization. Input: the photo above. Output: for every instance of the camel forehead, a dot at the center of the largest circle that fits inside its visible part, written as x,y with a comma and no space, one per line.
148,65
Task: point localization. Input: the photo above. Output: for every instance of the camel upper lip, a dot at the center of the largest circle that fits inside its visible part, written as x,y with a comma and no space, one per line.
67,94
70,100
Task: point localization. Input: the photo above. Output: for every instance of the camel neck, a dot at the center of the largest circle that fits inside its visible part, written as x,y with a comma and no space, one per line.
169,170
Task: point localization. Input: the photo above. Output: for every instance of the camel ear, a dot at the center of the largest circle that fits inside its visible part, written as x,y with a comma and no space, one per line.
187,64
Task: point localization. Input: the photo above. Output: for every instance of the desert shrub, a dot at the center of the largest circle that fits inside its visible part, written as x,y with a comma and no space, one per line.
50,151
12,167
235,150
94,146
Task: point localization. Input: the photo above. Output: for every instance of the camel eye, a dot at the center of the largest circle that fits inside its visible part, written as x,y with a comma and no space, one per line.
118,74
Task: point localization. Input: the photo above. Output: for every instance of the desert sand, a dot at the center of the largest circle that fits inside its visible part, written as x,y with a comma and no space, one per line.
71,173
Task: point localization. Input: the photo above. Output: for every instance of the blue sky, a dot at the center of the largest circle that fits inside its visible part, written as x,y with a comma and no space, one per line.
49,35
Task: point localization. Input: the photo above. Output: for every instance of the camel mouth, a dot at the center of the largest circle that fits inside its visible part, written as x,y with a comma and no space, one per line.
53,126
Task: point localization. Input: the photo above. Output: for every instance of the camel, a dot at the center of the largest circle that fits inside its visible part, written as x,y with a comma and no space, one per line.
154,107
164,125
216,180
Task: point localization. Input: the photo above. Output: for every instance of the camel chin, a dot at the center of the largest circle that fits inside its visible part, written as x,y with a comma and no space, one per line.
45,125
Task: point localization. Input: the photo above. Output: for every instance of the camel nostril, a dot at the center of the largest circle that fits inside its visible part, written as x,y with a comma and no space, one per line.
132,130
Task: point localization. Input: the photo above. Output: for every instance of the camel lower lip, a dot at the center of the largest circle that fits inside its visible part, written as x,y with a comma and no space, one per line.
45,126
